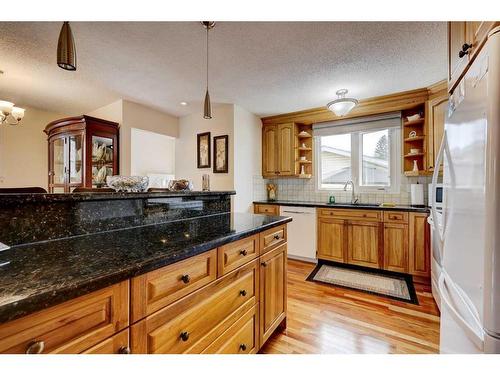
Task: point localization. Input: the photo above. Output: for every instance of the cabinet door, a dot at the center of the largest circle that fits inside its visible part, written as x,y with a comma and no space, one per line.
332,238
436,112
477,31
57,165
286,149
75,160
419,250
272,291
457,37
363,243
396,247
269,151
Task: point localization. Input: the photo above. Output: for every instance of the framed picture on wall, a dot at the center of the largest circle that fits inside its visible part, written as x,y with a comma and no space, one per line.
221,154
203,150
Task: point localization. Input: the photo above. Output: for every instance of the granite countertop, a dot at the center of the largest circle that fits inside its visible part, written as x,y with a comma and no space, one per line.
364,206
96,196
38,275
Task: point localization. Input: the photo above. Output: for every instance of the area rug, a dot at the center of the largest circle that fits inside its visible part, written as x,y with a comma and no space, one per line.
383,283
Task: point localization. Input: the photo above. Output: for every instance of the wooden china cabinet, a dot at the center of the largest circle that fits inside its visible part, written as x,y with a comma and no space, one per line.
83,151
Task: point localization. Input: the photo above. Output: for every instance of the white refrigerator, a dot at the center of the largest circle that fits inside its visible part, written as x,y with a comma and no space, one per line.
469,238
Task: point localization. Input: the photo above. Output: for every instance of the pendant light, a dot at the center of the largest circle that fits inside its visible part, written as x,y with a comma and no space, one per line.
207,107
66,51
342,105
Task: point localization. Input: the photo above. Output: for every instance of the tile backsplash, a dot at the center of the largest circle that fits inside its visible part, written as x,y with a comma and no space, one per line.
296,189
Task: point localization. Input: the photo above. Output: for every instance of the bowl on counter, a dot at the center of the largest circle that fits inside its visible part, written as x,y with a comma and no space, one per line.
130,184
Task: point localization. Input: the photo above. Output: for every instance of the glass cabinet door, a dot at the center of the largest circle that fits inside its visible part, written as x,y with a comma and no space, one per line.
102,160
75,172
58,164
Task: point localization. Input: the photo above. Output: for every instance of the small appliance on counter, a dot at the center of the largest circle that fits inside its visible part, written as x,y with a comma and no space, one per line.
417,195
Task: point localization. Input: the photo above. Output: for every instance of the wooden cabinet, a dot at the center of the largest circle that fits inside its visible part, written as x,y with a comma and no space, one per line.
396,247
363,242
465,40
267,209
419,254
436,112
236,254
271,238
83,151
117,344
272,291
270,151
332,239
392,240
157,289
70,327
281,150
286,149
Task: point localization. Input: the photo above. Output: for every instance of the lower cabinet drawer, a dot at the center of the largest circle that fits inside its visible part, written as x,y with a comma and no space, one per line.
117,344
267,209
156,289
70,327
235,254
191,324
241,338
272,238
366,215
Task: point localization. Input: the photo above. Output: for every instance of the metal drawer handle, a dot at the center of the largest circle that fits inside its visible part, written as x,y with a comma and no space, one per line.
243,292
243,347
185,279
35,347
243,252
124,350
184,336
276,236
263,264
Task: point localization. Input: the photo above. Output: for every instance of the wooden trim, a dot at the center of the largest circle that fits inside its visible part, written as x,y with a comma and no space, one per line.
370,106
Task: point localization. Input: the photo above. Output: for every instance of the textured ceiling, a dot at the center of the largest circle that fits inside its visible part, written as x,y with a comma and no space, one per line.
266,67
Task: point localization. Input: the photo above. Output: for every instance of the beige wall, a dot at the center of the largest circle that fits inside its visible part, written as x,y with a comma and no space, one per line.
247,157
151,153
185,156
133,115
23,150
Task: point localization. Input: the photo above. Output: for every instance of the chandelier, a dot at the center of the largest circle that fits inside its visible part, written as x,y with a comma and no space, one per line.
9,114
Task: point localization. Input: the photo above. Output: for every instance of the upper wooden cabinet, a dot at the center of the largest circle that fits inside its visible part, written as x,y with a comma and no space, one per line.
286,152
83,151
435,112
465,39
278,150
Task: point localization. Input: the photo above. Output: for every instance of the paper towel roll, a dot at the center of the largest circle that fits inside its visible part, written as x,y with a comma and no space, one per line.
417,194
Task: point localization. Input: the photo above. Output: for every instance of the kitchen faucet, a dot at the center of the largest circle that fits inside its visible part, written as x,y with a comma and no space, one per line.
354,200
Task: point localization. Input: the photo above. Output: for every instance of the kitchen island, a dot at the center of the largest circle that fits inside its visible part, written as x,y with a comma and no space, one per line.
99,286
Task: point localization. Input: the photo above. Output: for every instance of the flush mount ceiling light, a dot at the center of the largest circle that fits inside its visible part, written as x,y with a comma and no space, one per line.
183,104
66,51
207,107
342,105
9,114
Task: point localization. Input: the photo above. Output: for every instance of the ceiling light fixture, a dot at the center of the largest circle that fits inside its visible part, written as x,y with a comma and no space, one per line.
342,105
207,106
9,114
183,104
66,51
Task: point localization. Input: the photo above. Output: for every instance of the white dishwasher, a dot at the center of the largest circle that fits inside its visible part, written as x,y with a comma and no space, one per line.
301,232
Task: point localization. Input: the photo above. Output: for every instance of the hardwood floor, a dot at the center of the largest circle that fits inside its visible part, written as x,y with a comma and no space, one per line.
328,319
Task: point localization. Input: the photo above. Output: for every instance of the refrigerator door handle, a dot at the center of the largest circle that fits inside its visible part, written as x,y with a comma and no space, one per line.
476,337
439,159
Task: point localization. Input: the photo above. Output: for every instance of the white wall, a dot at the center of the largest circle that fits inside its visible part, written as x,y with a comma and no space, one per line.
185,151
23,150
133,115
151,153
247,157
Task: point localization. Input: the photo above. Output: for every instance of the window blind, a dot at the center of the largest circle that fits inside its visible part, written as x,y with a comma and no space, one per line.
358,124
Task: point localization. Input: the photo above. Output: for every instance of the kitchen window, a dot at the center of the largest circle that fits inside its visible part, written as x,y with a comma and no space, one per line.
366,151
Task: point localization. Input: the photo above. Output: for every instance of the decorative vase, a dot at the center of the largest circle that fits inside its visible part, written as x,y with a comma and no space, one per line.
415,166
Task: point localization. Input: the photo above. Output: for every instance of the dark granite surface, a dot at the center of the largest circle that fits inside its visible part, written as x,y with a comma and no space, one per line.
30,218
36,276
363,206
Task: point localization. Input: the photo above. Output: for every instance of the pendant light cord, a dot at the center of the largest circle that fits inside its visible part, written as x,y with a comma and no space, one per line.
207,58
